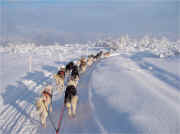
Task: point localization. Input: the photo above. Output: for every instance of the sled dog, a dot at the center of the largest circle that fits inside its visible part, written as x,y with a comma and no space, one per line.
59,77
90,60
73,82
44,103
69,67
77,63
106,55
70,100
83,65
75,73
93,57
98,55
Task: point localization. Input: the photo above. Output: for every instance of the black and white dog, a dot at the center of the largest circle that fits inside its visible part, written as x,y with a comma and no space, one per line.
69,67
74,78
90,60
70,100
98,55
75,73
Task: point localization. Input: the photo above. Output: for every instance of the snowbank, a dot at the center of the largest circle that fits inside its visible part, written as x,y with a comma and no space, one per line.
127,98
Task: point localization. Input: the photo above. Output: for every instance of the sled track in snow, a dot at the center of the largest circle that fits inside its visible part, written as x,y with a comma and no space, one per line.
84,122
18,115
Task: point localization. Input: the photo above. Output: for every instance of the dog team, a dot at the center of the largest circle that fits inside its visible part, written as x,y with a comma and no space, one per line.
72,71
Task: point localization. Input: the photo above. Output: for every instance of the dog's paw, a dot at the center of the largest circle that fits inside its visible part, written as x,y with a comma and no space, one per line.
70,116
74,116
50,109
44,125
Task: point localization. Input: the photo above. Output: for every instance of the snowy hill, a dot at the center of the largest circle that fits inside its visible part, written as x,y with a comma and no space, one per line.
134,91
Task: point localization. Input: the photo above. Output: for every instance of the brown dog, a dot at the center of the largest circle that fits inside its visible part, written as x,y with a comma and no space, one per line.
59,77
83,65
107,54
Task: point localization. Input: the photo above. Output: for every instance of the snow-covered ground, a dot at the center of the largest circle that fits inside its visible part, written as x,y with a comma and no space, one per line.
136,90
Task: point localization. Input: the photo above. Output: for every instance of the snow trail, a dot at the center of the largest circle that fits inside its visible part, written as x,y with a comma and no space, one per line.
84,122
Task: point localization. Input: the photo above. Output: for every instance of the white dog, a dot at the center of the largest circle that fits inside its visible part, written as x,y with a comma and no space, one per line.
44,103
59,77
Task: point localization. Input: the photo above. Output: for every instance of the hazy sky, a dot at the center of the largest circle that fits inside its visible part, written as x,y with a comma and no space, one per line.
89,0
70,21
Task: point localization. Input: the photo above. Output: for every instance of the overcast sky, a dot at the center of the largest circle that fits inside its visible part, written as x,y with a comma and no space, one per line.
76,21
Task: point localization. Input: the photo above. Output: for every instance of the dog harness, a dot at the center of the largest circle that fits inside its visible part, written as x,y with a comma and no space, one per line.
62,73
83,63
46,94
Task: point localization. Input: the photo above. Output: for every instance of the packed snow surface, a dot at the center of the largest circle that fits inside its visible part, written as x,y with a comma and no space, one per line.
136,90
